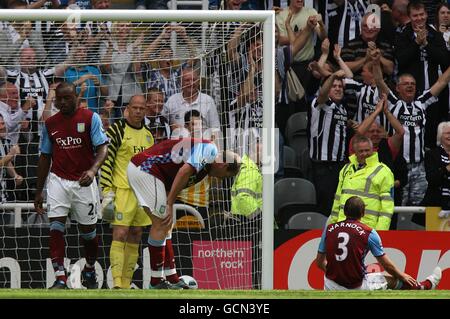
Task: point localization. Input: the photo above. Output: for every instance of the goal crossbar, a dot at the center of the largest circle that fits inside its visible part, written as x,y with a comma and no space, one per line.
138,15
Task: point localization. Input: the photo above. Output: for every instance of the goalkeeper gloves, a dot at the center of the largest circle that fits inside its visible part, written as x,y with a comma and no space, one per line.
108,206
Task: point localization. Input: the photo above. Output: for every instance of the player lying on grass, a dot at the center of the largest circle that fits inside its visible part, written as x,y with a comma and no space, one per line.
158,174
343,248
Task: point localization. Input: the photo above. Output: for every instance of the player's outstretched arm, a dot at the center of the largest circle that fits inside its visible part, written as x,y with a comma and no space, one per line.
389,266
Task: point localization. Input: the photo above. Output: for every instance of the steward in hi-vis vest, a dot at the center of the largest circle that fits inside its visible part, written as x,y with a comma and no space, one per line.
370,180
246,192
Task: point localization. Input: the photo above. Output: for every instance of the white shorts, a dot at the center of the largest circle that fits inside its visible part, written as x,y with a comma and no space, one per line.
149,190
372,281
64,196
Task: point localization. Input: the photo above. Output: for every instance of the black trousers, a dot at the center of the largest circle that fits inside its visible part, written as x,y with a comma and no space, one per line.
326,178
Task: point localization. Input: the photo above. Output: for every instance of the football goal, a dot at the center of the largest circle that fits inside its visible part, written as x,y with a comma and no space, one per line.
216,65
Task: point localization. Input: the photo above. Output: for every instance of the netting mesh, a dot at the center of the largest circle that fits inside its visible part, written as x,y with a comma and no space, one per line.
193,39
214,68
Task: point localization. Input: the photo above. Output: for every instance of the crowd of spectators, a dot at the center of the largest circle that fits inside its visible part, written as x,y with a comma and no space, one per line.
395,48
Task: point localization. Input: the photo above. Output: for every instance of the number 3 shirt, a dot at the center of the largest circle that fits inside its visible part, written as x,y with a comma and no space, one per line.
346,244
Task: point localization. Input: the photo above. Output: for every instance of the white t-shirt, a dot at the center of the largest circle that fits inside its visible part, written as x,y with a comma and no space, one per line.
176,106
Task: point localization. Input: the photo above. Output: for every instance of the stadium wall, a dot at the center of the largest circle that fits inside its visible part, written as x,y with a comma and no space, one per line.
24,261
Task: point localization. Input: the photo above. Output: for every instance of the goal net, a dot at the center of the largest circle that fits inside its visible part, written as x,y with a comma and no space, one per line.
207,67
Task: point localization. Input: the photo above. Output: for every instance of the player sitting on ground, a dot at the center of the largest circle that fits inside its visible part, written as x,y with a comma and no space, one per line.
342,251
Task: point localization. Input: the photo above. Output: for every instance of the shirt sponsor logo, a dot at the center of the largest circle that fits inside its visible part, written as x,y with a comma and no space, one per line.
69,142
411,120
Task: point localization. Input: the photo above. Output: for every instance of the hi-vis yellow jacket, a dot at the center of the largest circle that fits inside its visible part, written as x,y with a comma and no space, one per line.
246,192
374,184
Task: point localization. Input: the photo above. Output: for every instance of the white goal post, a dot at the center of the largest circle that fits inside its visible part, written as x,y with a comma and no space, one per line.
267,21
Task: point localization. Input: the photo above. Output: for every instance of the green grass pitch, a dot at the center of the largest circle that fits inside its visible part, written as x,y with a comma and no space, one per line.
219,294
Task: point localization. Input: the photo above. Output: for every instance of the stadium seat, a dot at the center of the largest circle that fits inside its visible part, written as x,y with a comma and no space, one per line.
293,195
296,132
290,163
296,123
404,222
306,220
290,158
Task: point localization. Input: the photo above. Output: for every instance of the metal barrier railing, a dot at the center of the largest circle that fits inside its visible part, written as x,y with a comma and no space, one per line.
19,207
29,207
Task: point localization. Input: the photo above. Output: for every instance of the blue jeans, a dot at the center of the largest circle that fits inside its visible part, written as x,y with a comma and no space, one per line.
414,190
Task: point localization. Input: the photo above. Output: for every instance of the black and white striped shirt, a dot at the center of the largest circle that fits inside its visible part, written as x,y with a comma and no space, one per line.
328,131
412,117
367,98
245,124
35,85
344,21
445,188
326,8
158,122
4,150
